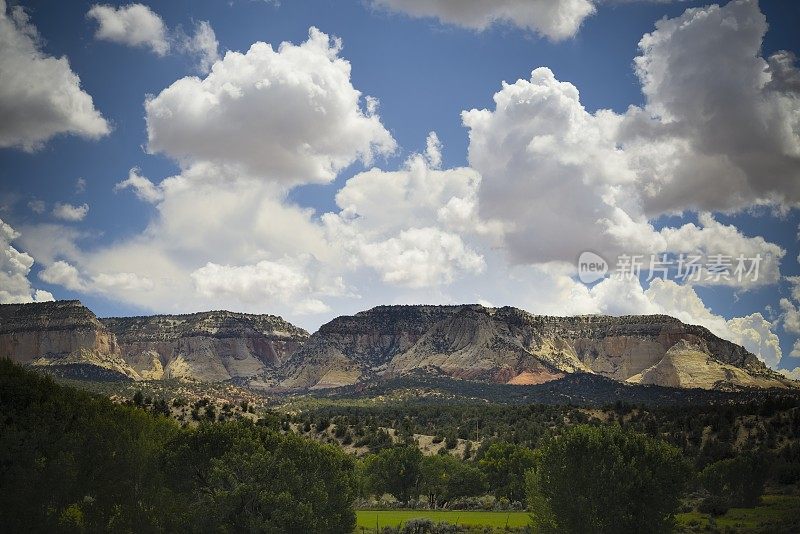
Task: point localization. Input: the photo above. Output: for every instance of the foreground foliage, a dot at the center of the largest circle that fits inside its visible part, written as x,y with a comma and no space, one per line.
73,462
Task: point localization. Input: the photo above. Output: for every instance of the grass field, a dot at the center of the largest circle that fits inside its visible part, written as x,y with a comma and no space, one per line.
393,518
775,511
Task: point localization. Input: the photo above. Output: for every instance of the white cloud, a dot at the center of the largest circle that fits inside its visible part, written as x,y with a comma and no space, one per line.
250,282
555,20
14,269
68,212
790,316
80,185
137,25
553,174
40,95
110,282
760,258
410,225
203,45
63,274
558,180
142,187
37,206
290,116
133,25
794,284
265,280
754,333
794,374
721,127
421,257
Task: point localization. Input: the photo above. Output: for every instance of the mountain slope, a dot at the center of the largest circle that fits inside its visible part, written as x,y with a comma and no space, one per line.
467,342
63,336
508,345
217,345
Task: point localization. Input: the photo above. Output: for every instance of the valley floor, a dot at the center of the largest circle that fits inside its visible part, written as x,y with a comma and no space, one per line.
368,519
775,514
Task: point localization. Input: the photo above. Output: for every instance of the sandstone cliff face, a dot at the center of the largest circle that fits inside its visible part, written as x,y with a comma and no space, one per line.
500,345
63,335
207,346
689,366
508,345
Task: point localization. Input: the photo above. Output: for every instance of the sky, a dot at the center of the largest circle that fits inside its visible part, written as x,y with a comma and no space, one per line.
317,158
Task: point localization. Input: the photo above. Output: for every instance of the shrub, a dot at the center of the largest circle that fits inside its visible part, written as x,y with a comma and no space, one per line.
606,479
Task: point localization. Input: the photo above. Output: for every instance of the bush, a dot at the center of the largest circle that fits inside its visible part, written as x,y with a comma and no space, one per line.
606,479
713,505
738,480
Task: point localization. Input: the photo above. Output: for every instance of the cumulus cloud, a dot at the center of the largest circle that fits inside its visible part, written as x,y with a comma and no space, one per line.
794,286
421,257
750,261
265,280
202,45
409,225
142,187
790,316
137,25
721,127
601,178
109,282
549,164
133,25
40,96
70,213
63,274
554,20
290,116
14,269
754,333
204,217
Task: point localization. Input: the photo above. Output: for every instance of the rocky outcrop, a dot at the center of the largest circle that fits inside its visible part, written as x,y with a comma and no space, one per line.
689,366
64,336
508,345
210,346
67,339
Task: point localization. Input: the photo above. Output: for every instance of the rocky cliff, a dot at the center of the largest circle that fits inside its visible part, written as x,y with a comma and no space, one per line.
508,345
217,345
63,335
496,345
68,339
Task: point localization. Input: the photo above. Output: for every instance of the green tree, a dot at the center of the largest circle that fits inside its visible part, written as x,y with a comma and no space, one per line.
606,479
239,477
444,477
395,470
737,481
504,465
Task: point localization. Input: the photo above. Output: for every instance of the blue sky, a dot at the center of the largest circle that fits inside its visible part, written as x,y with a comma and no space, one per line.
477,216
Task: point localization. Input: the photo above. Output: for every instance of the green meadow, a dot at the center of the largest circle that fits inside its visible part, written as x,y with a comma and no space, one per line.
776,513
368,519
